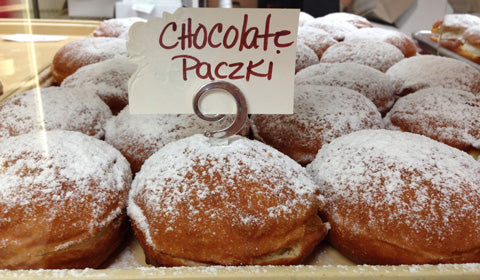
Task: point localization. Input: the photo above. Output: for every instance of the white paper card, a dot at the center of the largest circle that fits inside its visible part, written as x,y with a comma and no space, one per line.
252,48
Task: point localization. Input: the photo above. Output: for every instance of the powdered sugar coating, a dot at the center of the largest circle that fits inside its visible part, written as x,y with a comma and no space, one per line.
396,38
174,185
305,56
93,49
403,189
115,27
337,29
450,116
304,17
60,179
108,79
53,108
321,114
140,136
424,71
460,21
357,20
376,54
78,53
375,85
317,39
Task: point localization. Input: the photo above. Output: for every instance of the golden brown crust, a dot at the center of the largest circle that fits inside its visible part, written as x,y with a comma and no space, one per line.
446,115
425,71
66,217
404,44
407,205
91,252
232,214
437,26
396,38
390,248
137,137
321,114
115,27
75,54
309,235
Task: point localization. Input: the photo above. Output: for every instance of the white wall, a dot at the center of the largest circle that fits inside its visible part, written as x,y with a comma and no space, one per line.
422,14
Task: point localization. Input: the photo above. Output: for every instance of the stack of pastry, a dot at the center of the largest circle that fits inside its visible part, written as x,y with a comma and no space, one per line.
459,33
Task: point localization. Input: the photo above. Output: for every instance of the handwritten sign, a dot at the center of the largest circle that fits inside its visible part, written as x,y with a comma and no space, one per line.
178,53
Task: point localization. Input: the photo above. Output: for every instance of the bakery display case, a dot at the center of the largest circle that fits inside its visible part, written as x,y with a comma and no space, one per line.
374,176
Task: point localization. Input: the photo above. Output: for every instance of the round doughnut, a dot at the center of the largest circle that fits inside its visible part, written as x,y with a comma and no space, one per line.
304,56
197,202
404,43
137,137
108,79
451,116
60,108
424,71
375,85
116,27
376,54
85,51
471,47
356,20
399,198
321,114
63,196
337,29
304,17
317,39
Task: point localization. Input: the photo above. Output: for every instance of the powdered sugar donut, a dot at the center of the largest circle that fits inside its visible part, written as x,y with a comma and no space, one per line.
305,56
404,43
424,71
321,114
317,39
337,29
53,108
376,54
63,196
197,202
138,137
85,51
116,27
375,85
356,20
399,198
447,115
108,79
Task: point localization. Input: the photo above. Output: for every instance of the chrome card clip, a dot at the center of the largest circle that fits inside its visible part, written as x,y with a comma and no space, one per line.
241,103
